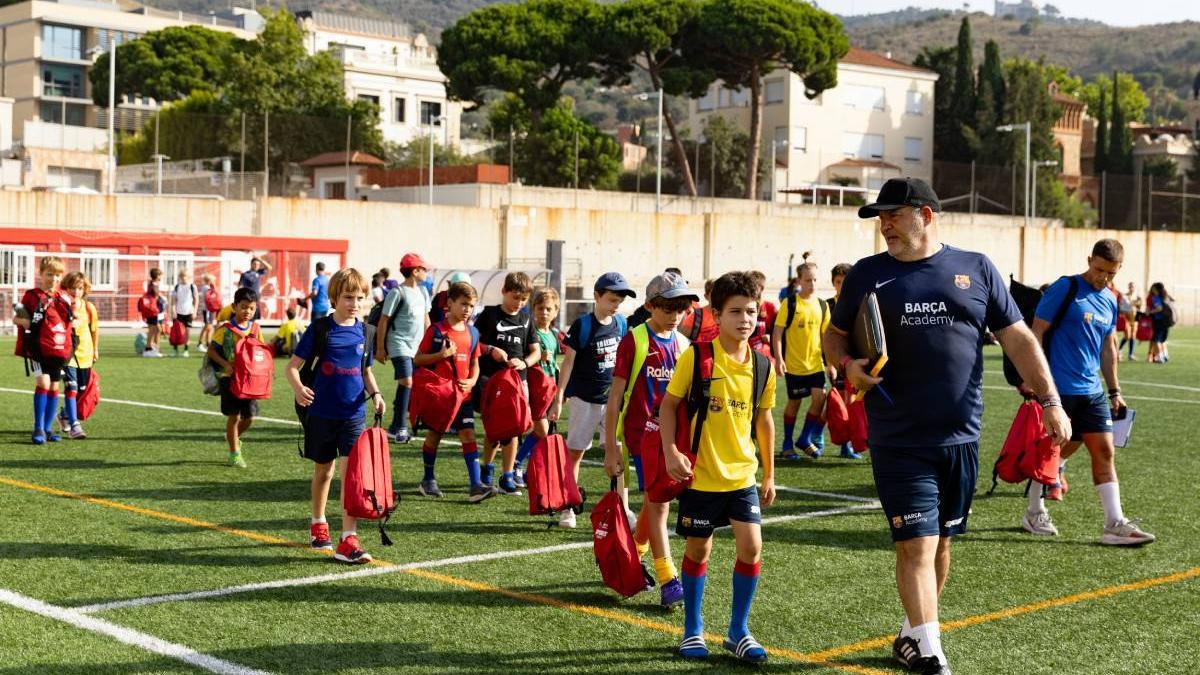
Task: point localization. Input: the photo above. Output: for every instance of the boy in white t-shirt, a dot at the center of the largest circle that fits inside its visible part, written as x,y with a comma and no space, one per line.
184,303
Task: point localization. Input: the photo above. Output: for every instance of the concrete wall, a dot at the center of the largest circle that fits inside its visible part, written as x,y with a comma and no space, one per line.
639,244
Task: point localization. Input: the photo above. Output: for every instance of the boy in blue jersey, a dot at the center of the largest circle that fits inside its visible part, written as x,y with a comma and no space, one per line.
1081,343
334,406
936,303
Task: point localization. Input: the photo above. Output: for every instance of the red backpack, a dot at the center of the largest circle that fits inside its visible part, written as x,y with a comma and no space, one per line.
1145,328
505,411
550,481
50,335
660,487
612,542
178,335
542,390
368,491
89,397
1027,453
212,300
856,412
147,305
253,365
435,397
837,416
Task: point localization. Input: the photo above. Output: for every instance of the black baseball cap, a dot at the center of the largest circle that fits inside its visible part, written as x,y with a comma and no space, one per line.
900,192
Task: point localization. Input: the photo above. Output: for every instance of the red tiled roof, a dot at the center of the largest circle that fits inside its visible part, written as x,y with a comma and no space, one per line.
863,57
339,159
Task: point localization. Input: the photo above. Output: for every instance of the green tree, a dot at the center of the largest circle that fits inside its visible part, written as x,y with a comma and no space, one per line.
1161,167
415,154
941,61
530,50
1134,101
168,64
1101,162
963,103
649,35
723,157
1055,202
741,41
1120,140
546,149
990,97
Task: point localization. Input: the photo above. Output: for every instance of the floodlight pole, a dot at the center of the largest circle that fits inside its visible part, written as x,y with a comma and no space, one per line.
1024,126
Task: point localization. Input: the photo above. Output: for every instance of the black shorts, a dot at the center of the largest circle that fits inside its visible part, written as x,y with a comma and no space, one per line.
926,492
702,512
325,440
800,386
152,321
232,405
208,317
185,319
1161,330
1089,414
464,419
51,367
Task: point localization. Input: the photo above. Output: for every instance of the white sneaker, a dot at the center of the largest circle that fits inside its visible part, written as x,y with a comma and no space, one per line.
1038,522
1125,533
566,519
77,431
150,354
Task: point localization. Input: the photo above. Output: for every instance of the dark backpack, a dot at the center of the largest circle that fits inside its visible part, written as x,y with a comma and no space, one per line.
377,311
1168,312
585,327
308,370
1027,299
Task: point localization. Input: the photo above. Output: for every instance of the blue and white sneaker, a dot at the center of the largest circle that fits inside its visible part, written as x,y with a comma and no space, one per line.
747,649
507,486
848,452
39,437
670,594
519,477
52,436
813,451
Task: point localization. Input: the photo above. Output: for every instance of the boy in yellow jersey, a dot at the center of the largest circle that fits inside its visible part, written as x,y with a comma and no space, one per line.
737,397
797,345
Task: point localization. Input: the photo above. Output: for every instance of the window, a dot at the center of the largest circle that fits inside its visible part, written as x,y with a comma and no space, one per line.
861,97
800,138
16,267
170,262
914,103
781,144
335,189
774,92
49,111
368,98
62,42
63,81
739,97
100,266
862,146
104,38
400,110
430,111
708,101
913,150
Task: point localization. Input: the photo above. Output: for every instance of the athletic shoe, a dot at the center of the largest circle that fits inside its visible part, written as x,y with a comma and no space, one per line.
693,648
670,594
77,432
813,451
1125,533
400,435
507,486
906,651
39,437
348,551
790,455
319,536
63,425
1038,522
236,459
747,649
566,519
52,436
429,488
480,493
187,354
849,453
519,477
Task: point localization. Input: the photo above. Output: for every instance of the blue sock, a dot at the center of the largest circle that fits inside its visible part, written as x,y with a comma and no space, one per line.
526,449
487,472
818,435
693,577
637,468
39,408
1132,346
49,410
400,407
471,458
70,408
805,438
789,432
429,457
745,582
507,477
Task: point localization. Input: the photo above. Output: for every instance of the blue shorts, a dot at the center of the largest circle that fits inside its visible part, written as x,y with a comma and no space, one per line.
325,440
926,492
464,419
1089,414
402,366
76,379
702,512
800,386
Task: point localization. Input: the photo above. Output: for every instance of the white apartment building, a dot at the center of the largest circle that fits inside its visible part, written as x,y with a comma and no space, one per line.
386,64
47,48
875,125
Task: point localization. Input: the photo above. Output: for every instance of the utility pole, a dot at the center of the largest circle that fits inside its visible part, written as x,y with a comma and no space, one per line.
266,153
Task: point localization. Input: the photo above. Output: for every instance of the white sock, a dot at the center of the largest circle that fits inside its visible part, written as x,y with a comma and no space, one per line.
1036,503
319,520
929,637
1110,499
349,533
906,628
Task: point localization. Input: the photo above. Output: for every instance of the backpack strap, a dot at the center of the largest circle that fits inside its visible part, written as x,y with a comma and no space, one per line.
320,331
622,324
640,335
762,374
585,330
1061,313
701,389
697,324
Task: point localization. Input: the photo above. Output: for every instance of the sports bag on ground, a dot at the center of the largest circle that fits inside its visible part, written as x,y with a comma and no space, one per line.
549,479
253,366
89,397
505,411
368,491
612,543
1027,453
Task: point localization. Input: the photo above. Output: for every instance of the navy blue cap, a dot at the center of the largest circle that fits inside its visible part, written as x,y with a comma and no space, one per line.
615,282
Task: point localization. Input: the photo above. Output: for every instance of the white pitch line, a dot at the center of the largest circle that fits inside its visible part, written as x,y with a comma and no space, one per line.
128,636
775,520
1127,398
322,578
1160,385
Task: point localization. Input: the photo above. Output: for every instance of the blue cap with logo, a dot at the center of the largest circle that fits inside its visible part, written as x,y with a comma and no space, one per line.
615,282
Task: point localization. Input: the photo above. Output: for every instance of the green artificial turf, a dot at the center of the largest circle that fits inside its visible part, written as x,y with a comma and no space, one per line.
826,581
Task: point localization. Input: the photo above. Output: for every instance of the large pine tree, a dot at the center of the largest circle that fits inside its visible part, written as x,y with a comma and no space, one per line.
1101,163
1120,144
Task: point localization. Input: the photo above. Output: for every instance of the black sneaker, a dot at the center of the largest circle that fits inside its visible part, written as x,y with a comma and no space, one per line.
507,486
480,493
907,652
429,488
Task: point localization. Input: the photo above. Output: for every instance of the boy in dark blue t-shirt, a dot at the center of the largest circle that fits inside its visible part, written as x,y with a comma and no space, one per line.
334,405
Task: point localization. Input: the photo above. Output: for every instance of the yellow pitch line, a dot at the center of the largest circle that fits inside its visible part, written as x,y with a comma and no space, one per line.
886,640
532,598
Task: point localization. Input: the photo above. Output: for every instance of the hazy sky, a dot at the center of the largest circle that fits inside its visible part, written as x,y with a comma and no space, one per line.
1115,12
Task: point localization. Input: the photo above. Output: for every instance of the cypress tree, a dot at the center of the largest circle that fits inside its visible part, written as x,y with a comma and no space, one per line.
1101,163
964,91
1120,157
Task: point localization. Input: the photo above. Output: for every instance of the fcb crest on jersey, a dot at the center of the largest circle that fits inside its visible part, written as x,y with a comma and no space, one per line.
962,281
